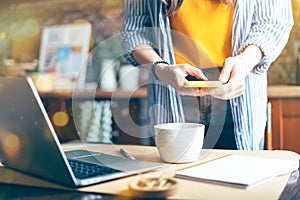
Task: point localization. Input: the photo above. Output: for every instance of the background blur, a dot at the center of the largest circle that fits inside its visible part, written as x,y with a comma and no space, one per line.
23,20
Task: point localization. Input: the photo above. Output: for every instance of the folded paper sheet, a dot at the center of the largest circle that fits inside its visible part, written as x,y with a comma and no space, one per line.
238,170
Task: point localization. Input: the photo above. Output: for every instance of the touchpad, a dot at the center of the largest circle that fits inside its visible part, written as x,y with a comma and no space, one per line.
80,153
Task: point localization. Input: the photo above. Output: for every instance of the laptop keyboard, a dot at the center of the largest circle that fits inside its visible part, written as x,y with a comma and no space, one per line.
84,170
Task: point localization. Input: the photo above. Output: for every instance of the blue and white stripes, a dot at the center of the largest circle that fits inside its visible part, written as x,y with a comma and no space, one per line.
265,23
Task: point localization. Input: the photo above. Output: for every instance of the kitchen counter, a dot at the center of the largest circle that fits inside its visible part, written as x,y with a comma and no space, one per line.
283,91
274,91
285,112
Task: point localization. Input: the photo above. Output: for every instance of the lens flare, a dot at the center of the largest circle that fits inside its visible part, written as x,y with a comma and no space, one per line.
60,118
2,35
11,144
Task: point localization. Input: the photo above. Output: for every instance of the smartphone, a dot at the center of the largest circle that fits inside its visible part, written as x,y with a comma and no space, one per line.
203,84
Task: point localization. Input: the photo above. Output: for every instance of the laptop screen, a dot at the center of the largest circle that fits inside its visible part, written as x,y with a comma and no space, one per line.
28,140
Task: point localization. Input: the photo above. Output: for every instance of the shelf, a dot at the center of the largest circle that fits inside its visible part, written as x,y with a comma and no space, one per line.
88,94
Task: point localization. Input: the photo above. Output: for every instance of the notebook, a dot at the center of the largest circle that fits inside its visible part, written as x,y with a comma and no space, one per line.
238,170
29,143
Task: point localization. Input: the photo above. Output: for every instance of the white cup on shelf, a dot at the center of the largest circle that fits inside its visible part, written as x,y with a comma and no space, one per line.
108,77
129,77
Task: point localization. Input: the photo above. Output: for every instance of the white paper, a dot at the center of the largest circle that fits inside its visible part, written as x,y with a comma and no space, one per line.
240,171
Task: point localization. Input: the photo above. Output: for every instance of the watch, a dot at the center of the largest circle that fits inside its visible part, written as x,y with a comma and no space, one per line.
154,66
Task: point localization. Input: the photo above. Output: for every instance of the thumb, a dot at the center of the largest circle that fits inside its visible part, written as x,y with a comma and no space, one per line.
225,73
198,73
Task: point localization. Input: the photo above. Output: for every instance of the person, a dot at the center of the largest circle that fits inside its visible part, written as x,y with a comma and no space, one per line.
239,39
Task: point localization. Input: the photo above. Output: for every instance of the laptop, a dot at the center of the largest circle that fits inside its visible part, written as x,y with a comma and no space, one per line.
29,143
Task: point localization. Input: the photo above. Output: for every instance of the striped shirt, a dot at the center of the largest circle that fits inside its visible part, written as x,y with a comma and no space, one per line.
264,23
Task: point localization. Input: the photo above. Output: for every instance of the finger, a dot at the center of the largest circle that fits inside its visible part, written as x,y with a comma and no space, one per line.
203,92
228,91
194,71
187,91
218,92
194,91
198,73
226,71
236,77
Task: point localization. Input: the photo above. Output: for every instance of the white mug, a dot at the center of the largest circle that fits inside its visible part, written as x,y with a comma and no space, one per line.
179,142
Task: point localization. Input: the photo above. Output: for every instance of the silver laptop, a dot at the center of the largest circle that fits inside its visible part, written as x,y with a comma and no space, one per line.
29,143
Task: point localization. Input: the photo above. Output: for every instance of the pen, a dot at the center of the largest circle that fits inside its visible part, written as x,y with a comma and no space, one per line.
126,154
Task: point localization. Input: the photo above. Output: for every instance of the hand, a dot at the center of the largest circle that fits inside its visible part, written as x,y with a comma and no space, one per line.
233,76
174,75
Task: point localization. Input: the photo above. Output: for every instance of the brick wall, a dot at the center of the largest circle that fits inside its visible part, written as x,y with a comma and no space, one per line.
106,17
283,70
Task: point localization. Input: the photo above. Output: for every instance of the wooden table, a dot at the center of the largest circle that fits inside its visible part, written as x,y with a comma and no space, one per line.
187,189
